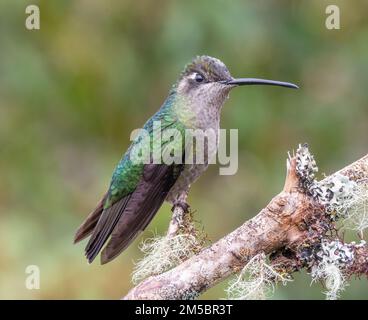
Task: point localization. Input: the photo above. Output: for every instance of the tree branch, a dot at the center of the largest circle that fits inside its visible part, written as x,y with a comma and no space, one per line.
293,219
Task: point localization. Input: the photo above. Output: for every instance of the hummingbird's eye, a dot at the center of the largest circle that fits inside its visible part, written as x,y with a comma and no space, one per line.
198,77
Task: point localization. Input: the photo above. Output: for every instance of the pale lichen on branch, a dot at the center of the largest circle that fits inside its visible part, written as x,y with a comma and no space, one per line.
256,281
161,253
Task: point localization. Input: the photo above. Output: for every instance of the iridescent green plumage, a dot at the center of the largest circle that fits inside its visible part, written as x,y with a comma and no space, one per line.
130,186
127,174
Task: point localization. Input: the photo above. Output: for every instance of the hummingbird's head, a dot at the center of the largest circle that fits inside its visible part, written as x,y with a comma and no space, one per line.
207,79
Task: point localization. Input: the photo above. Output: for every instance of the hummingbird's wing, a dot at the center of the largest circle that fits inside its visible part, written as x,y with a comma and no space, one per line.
126,218
136,193
144,202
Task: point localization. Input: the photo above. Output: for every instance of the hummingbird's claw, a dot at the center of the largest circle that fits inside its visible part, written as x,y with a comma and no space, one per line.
183,205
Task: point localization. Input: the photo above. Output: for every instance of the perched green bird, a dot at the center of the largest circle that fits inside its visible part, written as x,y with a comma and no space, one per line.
137,189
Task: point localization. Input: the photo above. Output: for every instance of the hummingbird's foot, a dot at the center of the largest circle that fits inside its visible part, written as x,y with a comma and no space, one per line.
182,204
178,217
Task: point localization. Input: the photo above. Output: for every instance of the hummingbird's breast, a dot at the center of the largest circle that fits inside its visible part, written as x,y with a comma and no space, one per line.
201,112
200,153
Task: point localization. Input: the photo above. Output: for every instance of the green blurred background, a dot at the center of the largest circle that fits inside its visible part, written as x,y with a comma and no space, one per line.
71,93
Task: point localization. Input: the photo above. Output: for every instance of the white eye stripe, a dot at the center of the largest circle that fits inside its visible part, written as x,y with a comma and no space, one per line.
193,75
196,76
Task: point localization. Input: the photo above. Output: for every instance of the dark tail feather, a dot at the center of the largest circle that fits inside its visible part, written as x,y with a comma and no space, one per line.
107,222
87,227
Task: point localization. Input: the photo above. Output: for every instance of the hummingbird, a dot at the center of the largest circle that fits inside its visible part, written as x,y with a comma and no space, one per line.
138,190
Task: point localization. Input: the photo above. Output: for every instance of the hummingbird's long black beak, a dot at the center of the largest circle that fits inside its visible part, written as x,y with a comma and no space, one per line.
253,81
